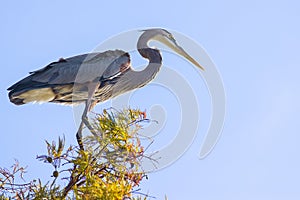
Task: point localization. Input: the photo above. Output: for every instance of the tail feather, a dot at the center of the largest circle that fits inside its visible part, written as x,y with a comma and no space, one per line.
32,95
26,91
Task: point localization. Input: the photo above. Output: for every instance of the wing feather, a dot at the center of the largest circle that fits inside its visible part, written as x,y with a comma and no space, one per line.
80,69
43,84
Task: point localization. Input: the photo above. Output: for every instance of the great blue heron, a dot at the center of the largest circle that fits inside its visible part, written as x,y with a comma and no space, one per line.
94,77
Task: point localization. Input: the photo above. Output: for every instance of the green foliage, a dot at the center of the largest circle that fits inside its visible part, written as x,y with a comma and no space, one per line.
108,169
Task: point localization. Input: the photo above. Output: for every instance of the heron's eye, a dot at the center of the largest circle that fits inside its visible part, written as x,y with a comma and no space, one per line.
172,38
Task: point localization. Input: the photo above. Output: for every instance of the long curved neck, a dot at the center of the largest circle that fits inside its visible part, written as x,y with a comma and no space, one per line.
135,79
155,62
154,57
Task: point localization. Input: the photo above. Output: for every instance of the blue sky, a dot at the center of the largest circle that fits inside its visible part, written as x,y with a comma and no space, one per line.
254,44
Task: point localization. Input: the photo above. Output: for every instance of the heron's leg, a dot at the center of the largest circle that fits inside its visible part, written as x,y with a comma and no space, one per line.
90,103
92,88
79,136
84,119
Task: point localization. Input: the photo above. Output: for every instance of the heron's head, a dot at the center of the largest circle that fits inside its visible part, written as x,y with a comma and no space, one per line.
166,38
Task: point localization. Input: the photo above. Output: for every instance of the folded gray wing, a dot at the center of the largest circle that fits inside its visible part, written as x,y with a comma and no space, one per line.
81,69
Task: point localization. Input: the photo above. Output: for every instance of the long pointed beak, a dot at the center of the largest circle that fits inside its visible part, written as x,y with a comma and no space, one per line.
178,49
183,53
